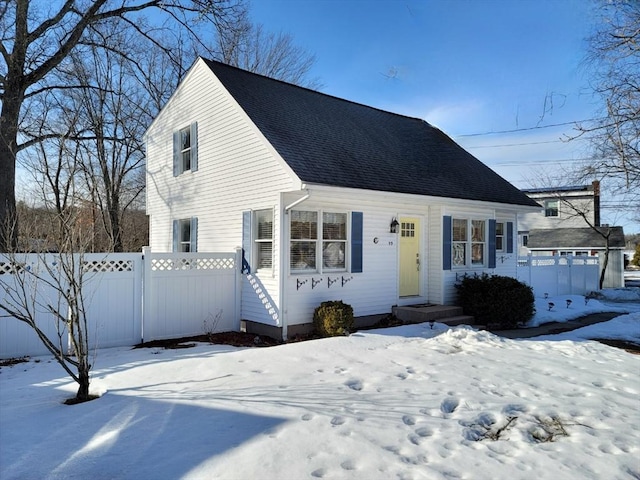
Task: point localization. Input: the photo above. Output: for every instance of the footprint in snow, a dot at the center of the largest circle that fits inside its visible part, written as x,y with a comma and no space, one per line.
336,421
449,405
354,384
408,420
348,465
306,417
319,473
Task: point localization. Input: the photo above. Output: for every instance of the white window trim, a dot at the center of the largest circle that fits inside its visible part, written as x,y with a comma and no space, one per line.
468,253
319,241
257,241
557,208
503,236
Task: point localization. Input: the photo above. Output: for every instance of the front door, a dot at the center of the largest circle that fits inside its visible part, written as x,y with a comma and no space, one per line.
410,261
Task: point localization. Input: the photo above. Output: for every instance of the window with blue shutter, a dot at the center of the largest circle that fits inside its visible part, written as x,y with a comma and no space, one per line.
356,242
246,242
509,237
446,242
492,243
185,235
185,149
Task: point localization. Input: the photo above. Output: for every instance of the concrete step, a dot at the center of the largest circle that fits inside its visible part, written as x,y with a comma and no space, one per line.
427,313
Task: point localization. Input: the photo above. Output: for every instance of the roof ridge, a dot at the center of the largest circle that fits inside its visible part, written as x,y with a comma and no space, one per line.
311,90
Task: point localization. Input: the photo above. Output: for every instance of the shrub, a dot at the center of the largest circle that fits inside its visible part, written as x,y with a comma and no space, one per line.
496,301
333,318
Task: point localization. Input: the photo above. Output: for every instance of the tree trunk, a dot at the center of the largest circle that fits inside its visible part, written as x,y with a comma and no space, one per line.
8,148
606,262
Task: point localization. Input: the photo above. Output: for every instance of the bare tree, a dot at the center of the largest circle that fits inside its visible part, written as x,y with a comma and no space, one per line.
274,55
614,62
46,289
38,36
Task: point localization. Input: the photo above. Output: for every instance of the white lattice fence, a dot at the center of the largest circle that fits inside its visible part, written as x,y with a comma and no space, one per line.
559,274
129,297
190,294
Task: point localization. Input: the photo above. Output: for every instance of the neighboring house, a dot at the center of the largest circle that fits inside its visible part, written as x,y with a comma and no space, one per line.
329,199
560,230
556,213
584,242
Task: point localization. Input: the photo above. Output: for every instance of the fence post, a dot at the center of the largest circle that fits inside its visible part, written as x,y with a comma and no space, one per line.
147,293
238,280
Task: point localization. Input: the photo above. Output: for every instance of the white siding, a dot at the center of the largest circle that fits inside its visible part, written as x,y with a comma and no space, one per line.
237,171
506,263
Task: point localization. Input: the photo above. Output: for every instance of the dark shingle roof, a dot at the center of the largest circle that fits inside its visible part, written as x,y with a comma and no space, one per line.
331,141
575,238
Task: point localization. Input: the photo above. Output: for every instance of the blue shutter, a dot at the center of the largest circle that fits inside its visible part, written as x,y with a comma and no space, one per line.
509,237
356,242
176,235
246,242
194,146
492,243
194,234
176,154
446,242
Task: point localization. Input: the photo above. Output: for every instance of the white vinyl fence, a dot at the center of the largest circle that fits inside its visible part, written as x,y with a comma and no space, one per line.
128,297
559,274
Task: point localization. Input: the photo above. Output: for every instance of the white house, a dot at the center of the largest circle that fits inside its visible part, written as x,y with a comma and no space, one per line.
329,199
561,228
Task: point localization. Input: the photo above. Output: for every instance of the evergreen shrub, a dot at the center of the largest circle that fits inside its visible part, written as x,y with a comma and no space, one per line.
496,301
333,318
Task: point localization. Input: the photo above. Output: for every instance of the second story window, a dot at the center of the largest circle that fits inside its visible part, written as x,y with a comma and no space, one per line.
551,208
185,149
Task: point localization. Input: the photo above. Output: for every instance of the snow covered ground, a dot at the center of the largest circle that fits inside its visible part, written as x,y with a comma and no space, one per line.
400,403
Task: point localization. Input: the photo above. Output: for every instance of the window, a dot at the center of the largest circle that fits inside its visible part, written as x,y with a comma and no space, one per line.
264,238
525,240
499,236
459,242
185,235
304,236
468,242
551,208
185,150
334,240
318,245
478,236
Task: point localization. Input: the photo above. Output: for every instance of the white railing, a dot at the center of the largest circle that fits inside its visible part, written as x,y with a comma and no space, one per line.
129,297
559,274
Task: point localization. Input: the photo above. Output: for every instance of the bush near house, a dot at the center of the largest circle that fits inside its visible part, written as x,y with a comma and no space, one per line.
496,301
333,318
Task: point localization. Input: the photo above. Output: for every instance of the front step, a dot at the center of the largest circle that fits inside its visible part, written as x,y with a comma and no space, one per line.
448,314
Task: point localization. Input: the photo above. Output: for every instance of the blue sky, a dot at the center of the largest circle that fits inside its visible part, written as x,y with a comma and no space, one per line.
467,67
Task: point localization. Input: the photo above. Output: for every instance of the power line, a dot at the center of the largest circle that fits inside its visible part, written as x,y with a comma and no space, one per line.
526,129
514,144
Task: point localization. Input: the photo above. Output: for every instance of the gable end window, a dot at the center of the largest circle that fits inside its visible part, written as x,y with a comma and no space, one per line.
185,234
185,149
